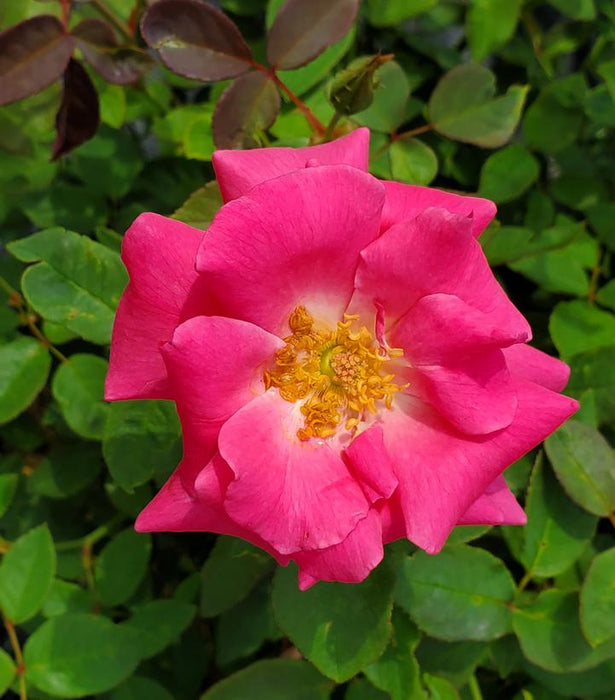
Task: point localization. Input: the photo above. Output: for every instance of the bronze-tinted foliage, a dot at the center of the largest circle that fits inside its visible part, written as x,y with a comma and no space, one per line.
115,63
33,54
196,40
78,117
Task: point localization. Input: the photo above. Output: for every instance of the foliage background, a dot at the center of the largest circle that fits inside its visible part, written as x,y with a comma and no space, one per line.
98,610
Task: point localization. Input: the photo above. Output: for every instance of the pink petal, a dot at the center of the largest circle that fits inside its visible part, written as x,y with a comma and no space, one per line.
434,253
442,472
238,171
350,561
497,506
215,367
291,241
392,518
295,495
164,289
476,393
371,465
407,201
527,362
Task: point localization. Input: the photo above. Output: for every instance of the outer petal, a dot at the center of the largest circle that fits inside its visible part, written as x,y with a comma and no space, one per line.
434,253
371,464
350,561
407,201
238,171
295,495
215,367
529,363
164,289
441,472
290,241
497,506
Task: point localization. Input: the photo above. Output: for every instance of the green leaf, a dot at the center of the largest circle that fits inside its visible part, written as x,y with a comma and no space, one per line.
201,207
439,688
7,671
272,679
550,636
558,271
24,366
397,671
26,574
197,140
55,206
598,599
577,9
549,125
139,688
606,294
159,623
122,565
243,629
362,689
596,682
584,463
141,438
66,469
577,327
508,173
388,110
413,161
462,593
76,654
463,107
390,13
78,387
557,531
8,485
490,24
339,628
231,571
65,597
595,370
78,282
455,661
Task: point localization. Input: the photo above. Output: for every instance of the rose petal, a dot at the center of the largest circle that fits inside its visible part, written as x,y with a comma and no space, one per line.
527,362
291,241
164,289
407,201
238,171
434,253
497,506
215,367
295,495
371,465
442,472
350,561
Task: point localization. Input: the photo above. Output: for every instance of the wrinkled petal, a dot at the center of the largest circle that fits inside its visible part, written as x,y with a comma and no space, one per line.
407,201
295,495
371,465
434,253
527,362
238,171
350,561
164,289
497,506
442,472
291,241
476,393
215,367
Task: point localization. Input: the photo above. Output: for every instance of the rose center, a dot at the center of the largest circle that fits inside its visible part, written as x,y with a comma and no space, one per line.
340,376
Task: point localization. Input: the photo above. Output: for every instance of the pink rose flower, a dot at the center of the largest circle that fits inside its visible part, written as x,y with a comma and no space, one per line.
346,368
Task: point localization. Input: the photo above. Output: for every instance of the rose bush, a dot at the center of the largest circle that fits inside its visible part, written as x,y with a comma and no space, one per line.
346,368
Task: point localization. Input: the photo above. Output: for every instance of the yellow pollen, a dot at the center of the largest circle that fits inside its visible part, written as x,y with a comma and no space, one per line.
339,375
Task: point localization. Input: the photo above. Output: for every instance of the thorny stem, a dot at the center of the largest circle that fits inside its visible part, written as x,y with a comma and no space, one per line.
404,134
315,124
10,630
107,12
17,301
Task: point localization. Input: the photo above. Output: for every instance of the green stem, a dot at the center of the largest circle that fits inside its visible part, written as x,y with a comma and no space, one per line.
331,126
525,580
91,538
474,688
12,635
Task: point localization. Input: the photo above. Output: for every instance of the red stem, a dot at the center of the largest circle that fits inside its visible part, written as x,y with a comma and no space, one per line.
65,12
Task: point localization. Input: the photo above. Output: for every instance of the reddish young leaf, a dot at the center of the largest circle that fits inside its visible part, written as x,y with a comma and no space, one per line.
303,29
196,40
33,54
99,47
78,117
249,105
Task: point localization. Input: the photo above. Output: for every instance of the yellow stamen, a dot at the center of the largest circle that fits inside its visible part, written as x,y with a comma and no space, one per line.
338,375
